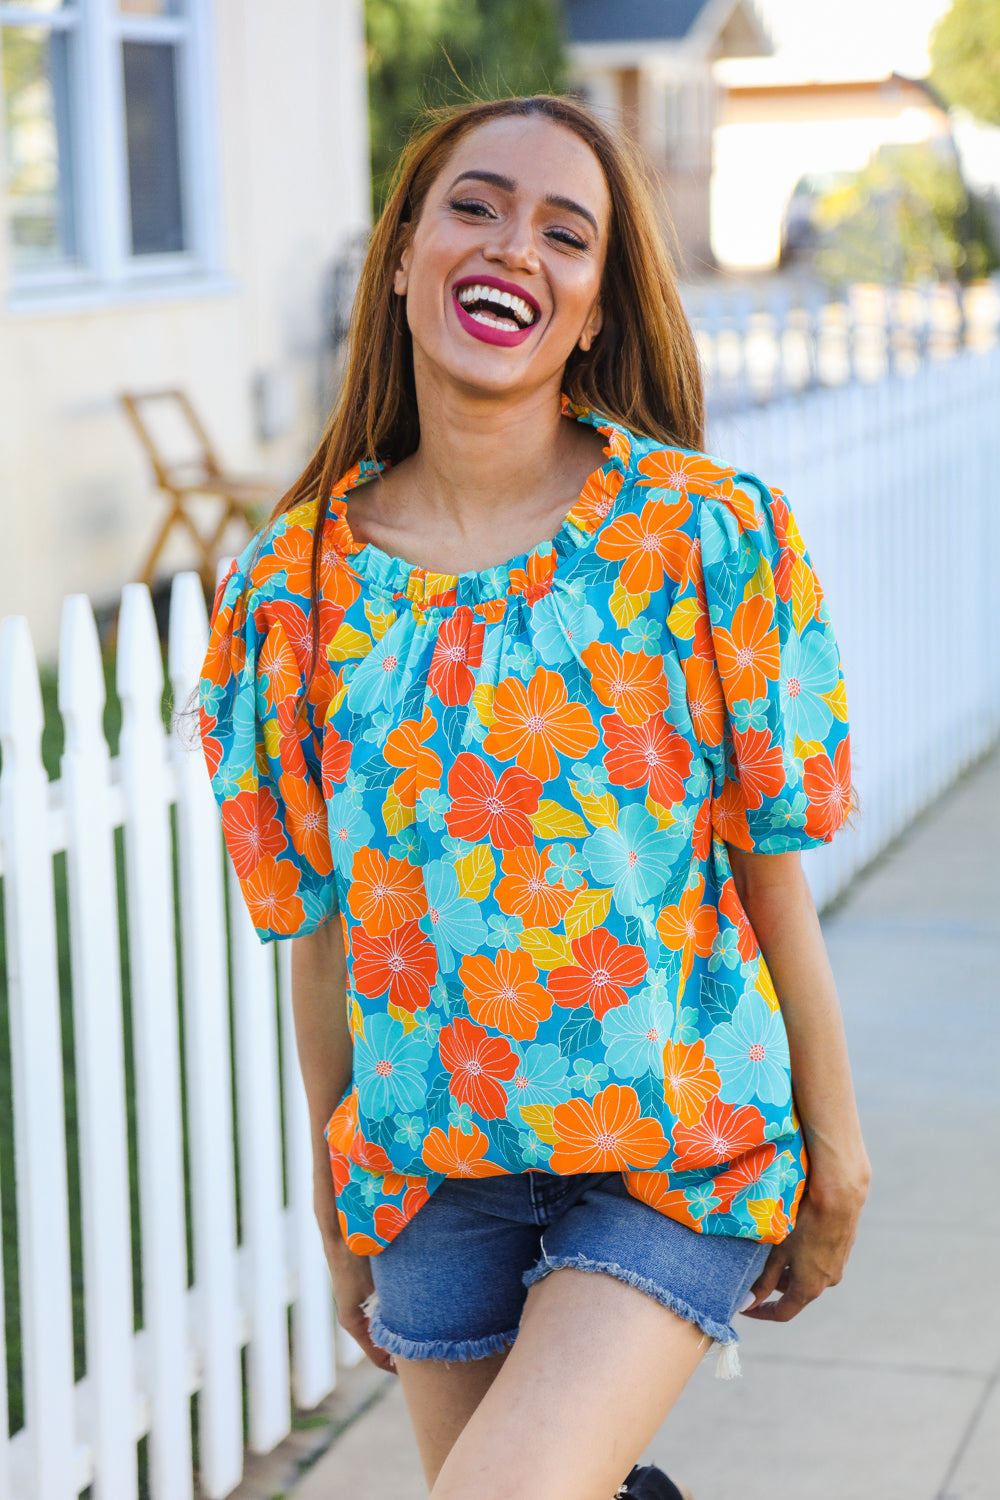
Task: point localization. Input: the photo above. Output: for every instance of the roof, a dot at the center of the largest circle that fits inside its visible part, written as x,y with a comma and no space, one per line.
631,20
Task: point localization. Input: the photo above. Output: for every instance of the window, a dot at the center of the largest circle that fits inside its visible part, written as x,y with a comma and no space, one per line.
103,102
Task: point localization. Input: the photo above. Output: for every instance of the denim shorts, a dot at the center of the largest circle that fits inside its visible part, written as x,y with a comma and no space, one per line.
452,1284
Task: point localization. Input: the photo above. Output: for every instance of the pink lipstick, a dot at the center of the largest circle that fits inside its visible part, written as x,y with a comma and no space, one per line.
494,311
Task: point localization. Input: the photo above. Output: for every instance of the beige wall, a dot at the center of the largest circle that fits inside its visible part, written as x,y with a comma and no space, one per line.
76,500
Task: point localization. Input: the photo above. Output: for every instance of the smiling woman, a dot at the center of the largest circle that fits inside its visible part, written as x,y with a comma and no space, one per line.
519,712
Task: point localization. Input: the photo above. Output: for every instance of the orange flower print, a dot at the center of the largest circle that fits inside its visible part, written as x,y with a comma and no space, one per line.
269,893
457,651
531,722
729,817
524,891
731,907
606,1135
648,545
773,1225
745,1174
705,703
402,962
701,834
632,683
828,786
227,649
748,655
650,754
504,993
670,469
336,760
479,1065
276,663
290,554
370,1156
597,499
305,819
689,1080
483,807
384,892
250,823
721,1133
535,581
603,970
458,1155
654,1188
297,626
689,926
760,765
421,767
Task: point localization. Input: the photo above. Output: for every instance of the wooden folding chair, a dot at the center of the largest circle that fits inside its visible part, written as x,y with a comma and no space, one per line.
243,498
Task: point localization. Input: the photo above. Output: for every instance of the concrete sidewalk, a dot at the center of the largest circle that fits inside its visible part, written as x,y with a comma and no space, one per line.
887,1388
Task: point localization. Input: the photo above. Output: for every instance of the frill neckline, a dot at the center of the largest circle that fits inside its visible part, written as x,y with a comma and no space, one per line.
529,575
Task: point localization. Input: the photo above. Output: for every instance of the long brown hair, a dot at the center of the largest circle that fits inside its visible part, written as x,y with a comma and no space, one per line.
642,371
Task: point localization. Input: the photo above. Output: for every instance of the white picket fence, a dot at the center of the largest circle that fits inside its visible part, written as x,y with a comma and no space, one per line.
83,1433
894,486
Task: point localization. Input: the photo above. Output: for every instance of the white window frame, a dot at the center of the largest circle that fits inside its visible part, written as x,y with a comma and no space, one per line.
104,269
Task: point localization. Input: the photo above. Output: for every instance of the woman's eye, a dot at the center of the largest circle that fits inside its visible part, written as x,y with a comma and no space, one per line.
567,237
470,206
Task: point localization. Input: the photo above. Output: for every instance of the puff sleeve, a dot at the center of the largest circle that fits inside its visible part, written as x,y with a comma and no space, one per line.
264,756
765,691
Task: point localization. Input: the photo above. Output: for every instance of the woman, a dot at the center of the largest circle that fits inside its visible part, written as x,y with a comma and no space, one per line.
550,741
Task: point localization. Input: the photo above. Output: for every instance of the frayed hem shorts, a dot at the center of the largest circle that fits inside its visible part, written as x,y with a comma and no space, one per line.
452,1284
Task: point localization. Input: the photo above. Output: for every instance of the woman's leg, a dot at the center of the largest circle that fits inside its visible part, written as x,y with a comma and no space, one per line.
596,1367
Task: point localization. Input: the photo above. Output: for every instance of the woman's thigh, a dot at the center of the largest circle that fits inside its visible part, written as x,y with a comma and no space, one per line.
596,1367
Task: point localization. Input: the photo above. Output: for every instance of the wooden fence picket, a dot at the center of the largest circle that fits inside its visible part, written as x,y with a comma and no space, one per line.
36,1061
207,1059
100,1058
147,792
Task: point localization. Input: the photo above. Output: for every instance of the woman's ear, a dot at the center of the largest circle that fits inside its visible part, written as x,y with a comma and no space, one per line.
592,329
401,279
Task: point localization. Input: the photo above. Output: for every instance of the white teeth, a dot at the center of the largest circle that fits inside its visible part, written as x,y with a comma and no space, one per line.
523,311
505,299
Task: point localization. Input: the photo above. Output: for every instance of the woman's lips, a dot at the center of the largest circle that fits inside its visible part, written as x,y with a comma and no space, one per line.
505,337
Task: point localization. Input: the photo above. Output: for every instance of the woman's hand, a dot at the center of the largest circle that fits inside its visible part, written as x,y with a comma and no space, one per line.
351,1274
814,1255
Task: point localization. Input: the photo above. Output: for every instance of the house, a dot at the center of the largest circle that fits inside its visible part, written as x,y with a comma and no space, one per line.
649,66
775,133
181,178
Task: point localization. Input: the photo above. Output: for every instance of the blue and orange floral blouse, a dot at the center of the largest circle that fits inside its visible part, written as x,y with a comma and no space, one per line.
517,788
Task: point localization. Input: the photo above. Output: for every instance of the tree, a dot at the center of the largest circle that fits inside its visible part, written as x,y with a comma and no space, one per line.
965,57
426,53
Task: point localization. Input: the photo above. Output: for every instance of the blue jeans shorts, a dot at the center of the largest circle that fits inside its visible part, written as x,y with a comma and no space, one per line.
452,1284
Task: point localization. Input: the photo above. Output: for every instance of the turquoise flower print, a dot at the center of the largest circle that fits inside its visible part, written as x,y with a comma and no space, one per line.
686,1026
779,1129
371,1189
354,788
785,814
699,782
431,808
643,635
540,1078
505,932
460,1115
636,858
589,1075
453,923
409,845
523,660
427,1025
533,1149
750,1053
658,984
810,666
590,781
676,712
778,843
378,730
746,715
565,867
456,849
409,1131
382,679
389,1066
701,1200
635,1035
725,950
351,829
563,627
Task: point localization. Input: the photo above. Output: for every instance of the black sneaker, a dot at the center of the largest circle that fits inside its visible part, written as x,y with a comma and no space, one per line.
649,1483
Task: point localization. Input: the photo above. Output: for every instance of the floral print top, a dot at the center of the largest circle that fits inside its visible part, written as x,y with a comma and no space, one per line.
517,787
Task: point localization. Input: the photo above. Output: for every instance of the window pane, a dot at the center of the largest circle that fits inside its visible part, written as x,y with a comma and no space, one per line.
150,7
39,170
151,125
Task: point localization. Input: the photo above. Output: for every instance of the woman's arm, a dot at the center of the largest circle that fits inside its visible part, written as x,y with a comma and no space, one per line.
779,904
323,1040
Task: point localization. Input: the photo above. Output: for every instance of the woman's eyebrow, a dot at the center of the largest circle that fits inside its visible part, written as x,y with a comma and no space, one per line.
508,185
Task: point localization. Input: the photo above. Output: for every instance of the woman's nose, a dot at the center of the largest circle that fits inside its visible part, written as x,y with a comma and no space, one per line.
514,245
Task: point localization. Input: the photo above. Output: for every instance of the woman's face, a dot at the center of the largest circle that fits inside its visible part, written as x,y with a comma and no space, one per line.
502,275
